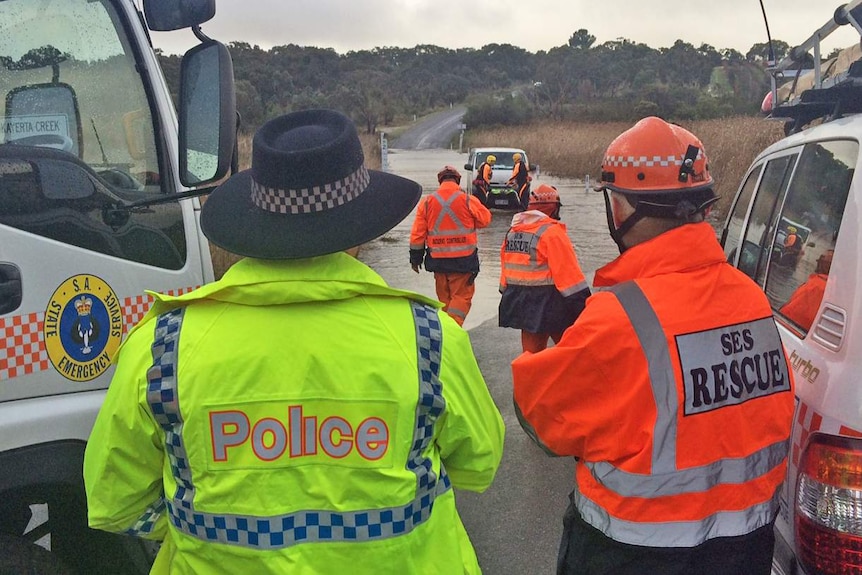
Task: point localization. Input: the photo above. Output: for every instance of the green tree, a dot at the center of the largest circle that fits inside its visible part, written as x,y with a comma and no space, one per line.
582,39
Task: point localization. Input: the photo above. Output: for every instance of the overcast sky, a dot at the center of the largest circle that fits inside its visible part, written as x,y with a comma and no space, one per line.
534,25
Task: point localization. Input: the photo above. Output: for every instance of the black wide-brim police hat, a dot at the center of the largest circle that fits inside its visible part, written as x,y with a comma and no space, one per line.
307,192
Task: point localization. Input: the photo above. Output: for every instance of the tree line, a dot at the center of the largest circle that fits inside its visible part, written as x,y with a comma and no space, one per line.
500,83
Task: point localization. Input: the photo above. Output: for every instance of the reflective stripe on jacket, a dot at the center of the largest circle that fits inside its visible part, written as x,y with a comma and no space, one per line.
673,390
316,448
446,222
537,252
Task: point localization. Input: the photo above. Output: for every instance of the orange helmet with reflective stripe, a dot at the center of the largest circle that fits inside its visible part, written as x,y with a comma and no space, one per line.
655,157
449,173
544,194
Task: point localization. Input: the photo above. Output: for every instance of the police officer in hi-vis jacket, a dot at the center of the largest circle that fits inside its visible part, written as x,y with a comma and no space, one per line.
298,415
671,388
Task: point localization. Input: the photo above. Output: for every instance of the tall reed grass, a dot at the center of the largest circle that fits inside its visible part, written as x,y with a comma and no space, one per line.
575,149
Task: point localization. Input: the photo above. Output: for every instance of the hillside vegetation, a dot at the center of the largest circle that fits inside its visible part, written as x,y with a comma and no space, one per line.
502,84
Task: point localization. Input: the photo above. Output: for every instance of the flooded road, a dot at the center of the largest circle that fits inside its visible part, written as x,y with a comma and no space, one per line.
582,212
515,525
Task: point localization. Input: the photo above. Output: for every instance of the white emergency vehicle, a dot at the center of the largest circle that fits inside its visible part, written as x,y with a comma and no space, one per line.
98,183
810,183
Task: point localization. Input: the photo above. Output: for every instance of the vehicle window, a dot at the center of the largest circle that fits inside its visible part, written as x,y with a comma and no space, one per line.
761,228
807,229
737,220
70,81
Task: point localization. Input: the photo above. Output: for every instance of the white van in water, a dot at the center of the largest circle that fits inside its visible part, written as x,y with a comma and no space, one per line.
95,207
811,181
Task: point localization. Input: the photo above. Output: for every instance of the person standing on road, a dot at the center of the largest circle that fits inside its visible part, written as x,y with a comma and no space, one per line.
482,183
298,415
543,288
671,389
520,179
444,239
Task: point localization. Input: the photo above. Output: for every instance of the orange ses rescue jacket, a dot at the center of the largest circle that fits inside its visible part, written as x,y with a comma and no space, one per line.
673,389
446,222
536,252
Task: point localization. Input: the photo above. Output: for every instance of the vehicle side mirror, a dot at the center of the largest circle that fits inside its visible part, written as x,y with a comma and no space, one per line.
207,115
468,166
534,167
167,15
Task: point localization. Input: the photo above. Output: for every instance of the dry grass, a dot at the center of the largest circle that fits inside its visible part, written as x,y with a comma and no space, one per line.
574,150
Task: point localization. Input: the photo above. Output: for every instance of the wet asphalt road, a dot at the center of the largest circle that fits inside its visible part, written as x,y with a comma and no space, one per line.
515,525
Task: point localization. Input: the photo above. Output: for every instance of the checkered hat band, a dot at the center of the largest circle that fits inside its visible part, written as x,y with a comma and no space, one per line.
310,200
647,161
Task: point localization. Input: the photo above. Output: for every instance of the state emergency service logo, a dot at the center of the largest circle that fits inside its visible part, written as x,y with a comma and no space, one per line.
83,327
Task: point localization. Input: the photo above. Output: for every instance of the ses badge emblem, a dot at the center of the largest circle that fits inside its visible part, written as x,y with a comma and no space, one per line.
83,327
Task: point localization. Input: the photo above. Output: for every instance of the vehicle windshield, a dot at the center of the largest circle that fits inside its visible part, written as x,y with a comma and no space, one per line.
69,81
504,159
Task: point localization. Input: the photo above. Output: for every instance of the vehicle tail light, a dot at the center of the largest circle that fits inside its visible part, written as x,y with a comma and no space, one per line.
829,506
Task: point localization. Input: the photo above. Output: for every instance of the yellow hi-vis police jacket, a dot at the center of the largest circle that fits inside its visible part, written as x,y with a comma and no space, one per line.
295,417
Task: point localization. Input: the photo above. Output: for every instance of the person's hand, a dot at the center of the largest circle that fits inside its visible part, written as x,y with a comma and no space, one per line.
416,267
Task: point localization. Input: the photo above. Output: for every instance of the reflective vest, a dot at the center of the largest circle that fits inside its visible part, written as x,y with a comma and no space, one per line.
446,222
296,451
673,389
537,252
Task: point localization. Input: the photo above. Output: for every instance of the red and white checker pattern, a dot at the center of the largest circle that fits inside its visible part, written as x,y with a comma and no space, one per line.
22,351
809,421
22,347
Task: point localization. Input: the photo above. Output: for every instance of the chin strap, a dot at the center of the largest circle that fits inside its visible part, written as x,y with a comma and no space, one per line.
618,233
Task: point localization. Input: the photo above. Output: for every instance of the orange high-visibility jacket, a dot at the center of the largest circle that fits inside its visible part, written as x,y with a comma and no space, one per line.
446,222
673,389
803,305
536,252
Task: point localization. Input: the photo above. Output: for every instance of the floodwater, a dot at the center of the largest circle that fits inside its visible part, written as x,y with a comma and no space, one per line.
583,212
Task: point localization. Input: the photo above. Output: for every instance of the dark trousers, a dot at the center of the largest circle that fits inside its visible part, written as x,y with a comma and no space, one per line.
585,550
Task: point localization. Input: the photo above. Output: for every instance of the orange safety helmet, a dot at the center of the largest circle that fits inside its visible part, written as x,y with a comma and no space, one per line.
448,173
655,157
545,194
662,170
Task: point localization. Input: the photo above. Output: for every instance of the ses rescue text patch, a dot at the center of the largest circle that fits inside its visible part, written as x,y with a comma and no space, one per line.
732,365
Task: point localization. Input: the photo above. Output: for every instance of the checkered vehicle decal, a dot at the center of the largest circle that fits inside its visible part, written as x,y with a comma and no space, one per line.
808,421
23,346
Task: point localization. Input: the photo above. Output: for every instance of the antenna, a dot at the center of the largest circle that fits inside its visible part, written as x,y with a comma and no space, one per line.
770,58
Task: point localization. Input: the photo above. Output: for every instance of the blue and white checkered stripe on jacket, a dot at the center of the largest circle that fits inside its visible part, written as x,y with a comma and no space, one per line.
279,531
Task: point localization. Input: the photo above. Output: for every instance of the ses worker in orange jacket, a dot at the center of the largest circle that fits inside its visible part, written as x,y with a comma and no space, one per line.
543,287
672,387
443,238
803,305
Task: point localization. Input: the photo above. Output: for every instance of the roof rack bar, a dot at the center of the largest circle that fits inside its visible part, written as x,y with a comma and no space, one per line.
842,16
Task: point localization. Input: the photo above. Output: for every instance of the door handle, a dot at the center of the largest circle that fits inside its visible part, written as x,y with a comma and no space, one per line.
10,287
